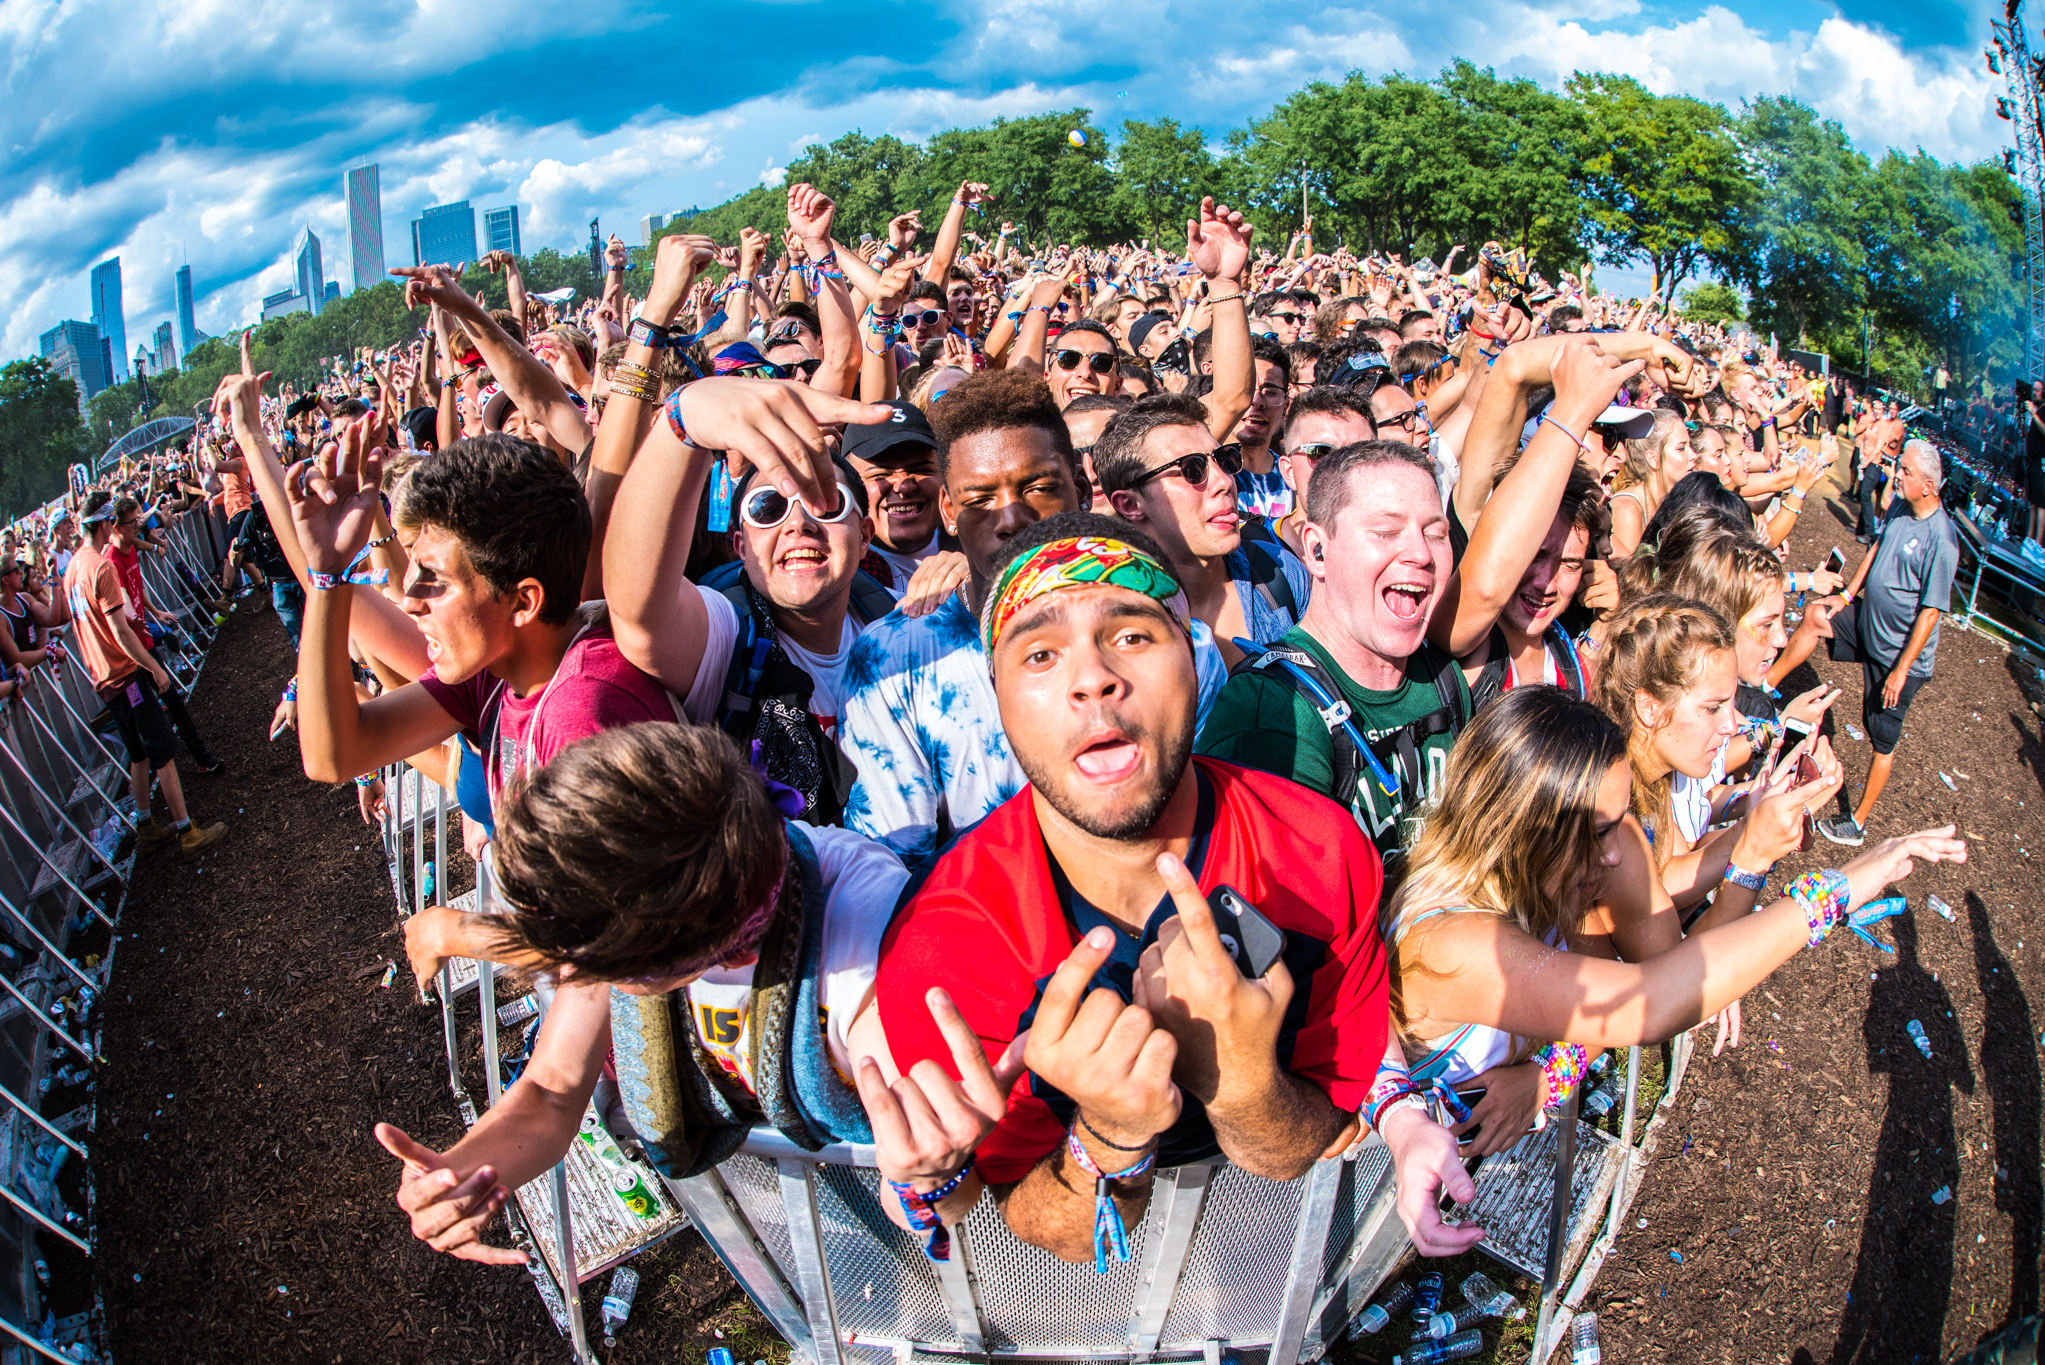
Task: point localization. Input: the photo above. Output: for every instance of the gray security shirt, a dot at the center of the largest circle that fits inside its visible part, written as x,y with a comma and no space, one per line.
1914,566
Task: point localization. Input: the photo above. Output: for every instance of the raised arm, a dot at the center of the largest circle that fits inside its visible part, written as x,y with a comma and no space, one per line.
1218,245
532,386
1510,533
946,251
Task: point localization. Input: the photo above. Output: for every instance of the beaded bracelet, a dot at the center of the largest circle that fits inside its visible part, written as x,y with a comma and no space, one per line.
1823,897
368,779
921,1208
291,689
1562,1066
1111,1236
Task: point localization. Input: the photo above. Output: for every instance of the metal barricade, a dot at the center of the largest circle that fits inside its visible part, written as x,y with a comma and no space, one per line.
66,859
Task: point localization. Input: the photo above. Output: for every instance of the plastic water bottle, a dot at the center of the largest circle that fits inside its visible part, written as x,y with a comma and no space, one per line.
1916,1032
426,882
1461,1346
1478,1288
1379,1315
1444,1325
1583,1341
1427,1297
719,1356
618,1303
517,1011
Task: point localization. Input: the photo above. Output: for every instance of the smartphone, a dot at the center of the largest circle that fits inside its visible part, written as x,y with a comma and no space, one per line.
1836,561
1807,772
1252,940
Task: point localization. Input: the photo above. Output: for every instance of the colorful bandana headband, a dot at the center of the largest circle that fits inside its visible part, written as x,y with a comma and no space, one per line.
1078,562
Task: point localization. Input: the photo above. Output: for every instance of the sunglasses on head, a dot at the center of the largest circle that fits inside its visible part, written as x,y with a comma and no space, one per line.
1193,468
763,509
1099,362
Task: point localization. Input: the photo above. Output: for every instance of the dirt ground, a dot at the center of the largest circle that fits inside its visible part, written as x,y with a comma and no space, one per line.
1793,1211
1796,1180
247,1016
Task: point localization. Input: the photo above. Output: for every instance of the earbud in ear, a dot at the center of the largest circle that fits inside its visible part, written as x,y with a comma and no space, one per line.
1320,552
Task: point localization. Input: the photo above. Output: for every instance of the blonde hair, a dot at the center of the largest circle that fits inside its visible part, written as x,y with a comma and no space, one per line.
1516,810
1698,556
1658,645
1644,456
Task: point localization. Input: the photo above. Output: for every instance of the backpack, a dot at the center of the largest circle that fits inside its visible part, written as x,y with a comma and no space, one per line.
759,674
1262,547
1490,684
1353,753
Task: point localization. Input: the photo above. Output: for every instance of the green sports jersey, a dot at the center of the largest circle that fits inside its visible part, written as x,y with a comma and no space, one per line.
1262,720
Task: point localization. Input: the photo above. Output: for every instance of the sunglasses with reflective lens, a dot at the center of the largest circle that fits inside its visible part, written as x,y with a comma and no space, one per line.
1099,362
1193,468
766,508
1313,451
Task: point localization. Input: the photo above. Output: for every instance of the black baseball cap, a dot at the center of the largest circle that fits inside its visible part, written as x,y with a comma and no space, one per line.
908,426
1140,330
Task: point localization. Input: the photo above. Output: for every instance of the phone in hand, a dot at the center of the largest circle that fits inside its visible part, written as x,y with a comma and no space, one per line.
1807,773
1251,939
1836,561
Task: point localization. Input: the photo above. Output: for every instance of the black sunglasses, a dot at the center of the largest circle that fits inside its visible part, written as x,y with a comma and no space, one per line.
1100,362
772,369
1193,468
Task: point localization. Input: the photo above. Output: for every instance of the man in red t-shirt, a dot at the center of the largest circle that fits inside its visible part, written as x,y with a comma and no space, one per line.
1082,906
129,680
125,552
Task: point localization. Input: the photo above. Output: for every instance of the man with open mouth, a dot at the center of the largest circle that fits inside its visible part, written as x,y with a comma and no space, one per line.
897,460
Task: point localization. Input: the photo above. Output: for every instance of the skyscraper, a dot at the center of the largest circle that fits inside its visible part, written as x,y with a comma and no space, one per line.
444,235
284,301
650,226
311,277
166,357
365,226
78,352
188,330
106,314
500,228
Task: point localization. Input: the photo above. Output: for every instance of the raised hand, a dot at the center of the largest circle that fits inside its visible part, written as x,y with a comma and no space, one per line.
752,246
1226,1025
1894,859
926,1124
1108,1057
1218,241
335,498
679,258
616,257
775,427
810,214
973,192
933,583
433,284
903,227
1586,379
448,1209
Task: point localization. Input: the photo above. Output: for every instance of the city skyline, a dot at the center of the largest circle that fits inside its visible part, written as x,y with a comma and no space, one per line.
222,170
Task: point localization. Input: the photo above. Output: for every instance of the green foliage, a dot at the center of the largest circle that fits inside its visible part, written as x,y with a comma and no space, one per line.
41,435
1715,303
1161,171
1663,180
1050,189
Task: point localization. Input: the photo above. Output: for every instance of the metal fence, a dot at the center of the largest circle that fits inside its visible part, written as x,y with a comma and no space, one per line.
1224,1263
67,823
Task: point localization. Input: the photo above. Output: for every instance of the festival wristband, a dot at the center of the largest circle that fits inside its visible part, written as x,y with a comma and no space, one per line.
1739,876
1111,1236
326,582
921,1208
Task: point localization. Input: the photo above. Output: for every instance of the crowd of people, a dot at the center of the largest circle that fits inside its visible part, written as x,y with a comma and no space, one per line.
1055,712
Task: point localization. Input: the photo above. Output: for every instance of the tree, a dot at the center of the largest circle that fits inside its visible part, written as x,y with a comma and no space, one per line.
1036,178
871,178
1522,145
1663,180
41,435
1807,258
1716,303
1161,172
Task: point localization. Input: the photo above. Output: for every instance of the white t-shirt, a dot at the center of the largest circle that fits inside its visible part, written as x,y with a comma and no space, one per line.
904,565
1691,799
862,881
826,671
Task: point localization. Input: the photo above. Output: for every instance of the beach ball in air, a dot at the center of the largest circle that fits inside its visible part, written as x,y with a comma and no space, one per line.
1076,138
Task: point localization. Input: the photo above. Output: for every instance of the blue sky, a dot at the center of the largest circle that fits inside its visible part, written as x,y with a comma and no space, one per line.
212,131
